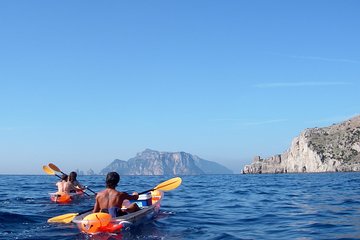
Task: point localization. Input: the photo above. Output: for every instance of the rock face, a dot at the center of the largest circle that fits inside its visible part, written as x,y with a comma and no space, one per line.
329,149
150,162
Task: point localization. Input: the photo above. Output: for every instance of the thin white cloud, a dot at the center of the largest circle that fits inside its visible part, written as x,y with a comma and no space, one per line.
315,58
298,84
226,119
249,123
326,59
265,122
6,129
332,120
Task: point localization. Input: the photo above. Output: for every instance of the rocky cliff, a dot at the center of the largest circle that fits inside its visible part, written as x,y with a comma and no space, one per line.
330,149
150,162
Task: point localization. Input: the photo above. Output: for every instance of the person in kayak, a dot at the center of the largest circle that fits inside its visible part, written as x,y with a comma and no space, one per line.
75,185
111,201
63,185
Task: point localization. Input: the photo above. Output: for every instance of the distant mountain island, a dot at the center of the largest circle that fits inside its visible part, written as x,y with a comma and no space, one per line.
151,162
330,149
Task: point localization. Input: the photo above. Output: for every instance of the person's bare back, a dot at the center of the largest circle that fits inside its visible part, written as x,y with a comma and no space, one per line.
110,198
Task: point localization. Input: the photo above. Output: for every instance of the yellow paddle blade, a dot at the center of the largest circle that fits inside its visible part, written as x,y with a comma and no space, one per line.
48,170
169,184
65,218
54,167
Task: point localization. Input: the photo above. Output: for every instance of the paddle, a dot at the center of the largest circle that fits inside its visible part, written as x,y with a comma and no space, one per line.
55,168
49,171
164,186
66,218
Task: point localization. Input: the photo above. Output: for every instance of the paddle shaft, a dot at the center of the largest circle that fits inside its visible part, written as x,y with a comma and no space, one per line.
147,191
91,190
57,175
85,211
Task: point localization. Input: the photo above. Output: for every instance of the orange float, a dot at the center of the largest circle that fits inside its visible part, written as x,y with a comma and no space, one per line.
60,197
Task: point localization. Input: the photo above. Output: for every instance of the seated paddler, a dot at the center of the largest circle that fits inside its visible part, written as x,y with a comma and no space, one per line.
111,201
63,185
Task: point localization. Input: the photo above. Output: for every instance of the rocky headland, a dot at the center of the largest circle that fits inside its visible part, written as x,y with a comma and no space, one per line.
151,162
329,149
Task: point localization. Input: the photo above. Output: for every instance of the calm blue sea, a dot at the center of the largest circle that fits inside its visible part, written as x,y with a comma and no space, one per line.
287,206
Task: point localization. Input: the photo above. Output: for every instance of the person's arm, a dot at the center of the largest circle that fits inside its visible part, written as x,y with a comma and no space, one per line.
78,185
134,196
97,205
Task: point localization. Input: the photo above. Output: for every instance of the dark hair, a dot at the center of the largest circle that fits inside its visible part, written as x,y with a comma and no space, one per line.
112,179
72,176
64,177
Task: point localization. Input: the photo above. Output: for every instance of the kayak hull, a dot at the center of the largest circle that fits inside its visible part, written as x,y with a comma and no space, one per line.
65,197
93,223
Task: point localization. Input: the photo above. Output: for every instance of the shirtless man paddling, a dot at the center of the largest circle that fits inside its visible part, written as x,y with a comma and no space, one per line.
111,201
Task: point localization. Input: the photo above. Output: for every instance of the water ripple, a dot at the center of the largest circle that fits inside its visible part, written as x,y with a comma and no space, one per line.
284,206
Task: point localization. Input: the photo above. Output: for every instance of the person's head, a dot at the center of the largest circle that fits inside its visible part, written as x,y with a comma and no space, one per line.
64,177
112,179
72,176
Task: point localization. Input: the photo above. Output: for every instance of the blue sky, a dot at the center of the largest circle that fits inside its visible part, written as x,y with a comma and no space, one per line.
85,82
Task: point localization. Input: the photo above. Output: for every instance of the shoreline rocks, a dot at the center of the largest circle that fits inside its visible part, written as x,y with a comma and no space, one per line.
330,149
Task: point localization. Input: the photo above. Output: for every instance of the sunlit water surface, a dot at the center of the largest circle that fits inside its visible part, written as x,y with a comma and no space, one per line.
284,206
